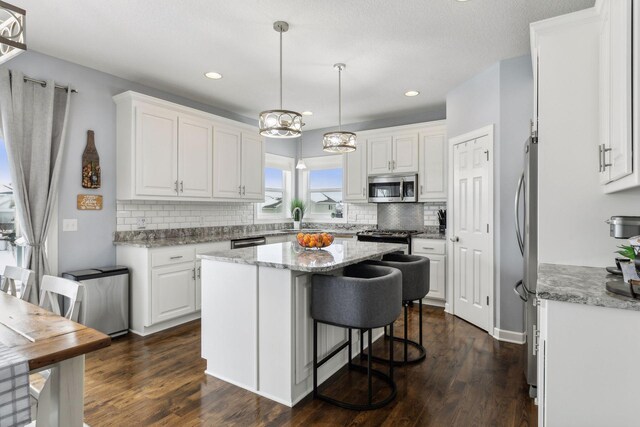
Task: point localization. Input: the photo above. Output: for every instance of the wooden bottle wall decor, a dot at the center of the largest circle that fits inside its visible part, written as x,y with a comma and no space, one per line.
90,163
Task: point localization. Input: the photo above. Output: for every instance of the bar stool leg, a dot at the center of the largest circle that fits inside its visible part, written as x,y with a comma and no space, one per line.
315,358
362,356
350,356
420,317
406,334
370,391
391,351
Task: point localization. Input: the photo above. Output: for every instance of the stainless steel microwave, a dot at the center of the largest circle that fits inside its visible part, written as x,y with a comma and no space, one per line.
393,188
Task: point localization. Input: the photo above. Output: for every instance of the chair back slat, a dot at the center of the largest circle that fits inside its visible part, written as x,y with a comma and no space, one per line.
11,274
52,287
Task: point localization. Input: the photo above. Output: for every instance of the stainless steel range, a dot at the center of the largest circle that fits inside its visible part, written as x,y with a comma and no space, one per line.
402,237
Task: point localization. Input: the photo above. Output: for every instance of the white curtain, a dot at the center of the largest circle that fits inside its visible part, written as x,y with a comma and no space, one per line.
33,120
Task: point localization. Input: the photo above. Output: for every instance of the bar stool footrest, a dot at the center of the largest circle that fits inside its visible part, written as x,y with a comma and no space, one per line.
422,353
365,407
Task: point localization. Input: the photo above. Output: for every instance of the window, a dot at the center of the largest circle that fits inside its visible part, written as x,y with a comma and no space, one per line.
8,219
322,189
278,185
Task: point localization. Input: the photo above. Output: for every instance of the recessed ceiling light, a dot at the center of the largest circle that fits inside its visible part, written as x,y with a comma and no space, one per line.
307,113
412,93
213,75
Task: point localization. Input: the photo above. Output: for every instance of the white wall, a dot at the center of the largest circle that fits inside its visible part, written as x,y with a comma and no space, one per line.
572,206
93,108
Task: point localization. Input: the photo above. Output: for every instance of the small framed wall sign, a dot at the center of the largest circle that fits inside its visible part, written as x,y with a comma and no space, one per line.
89,202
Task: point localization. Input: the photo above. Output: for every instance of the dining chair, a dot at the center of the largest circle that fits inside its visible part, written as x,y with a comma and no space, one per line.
12,274
51,289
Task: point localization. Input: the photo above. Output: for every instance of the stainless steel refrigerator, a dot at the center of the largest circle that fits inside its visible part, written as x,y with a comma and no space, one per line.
526,221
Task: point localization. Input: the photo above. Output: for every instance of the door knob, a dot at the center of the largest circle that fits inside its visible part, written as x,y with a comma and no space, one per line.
454,239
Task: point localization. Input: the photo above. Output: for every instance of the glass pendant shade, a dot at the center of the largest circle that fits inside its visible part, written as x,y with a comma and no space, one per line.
280,123
339,142
301,164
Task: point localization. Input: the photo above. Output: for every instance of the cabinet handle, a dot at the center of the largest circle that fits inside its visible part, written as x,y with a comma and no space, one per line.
182,186
389,165
244,190
240,190
199,272
393,164
364,192
420,188
193,274
605,165
176,186
599,157
176,257
429,249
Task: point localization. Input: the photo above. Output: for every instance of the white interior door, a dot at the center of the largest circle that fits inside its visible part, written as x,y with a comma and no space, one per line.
472,260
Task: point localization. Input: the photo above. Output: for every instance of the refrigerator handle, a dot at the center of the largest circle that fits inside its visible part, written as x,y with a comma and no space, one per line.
524,297
517,213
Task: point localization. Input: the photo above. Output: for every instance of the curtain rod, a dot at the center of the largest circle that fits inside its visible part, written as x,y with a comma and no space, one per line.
43,83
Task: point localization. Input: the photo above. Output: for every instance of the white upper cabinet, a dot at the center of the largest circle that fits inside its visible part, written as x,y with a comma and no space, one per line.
355,175
393,153
156,148
432,177
252,167
195,158
618,160
380,154
227,152
405,153
169,152
239,165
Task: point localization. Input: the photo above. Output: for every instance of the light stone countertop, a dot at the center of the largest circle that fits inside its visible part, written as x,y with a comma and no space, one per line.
290,255
192,240
580,285
433,236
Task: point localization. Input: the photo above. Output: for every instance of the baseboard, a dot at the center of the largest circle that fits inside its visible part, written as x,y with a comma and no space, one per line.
148,330
509,336
447,308
433,302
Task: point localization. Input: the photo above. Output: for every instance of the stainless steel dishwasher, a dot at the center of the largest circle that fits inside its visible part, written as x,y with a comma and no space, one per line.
248,242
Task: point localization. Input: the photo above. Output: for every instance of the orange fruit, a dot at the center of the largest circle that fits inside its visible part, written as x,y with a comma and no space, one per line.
299,235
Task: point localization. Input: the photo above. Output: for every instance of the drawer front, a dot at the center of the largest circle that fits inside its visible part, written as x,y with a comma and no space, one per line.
213,246
428,246
172,255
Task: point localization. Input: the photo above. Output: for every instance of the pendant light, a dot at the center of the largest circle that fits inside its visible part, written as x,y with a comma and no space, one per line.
280,123
339,141
301,164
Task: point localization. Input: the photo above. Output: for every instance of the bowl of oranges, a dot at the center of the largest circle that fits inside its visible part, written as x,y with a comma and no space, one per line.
314,240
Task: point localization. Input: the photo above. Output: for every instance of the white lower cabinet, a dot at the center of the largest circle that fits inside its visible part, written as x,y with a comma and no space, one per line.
586,365
172,292
435,251
165,284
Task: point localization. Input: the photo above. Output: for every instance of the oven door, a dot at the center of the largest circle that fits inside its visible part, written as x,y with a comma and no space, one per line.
393,189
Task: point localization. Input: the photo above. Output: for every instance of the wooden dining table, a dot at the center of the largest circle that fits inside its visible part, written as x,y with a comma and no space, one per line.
47,340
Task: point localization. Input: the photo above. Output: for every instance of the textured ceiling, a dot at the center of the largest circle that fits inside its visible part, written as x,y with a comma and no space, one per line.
389,46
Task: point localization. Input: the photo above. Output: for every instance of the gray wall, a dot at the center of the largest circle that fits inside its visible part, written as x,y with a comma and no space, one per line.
501,95
93,108
312,140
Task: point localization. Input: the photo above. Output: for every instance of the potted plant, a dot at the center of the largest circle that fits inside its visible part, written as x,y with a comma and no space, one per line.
297,212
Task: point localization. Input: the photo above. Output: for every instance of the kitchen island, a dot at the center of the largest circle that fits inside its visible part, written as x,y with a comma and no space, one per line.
256,324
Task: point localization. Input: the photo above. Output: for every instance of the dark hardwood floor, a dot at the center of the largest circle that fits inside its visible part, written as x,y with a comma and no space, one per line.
468,379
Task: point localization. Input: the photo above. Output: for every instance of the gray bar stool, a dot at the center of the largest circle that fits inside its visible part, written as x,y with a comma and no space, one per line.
364,297
415,286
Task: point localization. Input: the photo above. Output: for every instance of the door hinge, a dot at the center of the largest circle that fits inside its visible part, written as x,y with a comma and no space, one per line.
487,299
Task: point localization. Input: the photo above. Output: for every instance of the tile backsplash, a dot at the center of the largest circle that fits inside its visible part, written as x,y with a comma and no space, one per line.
172,215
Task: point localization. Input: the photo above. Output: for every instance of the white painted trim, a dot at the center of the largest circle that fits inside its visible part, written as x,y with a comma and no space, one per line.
509,336
149,330
434,302
287,164
478,133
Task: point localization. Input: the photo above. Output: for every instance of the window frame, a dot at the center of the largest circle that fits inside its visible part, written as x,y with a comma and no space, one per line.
287,165
319,163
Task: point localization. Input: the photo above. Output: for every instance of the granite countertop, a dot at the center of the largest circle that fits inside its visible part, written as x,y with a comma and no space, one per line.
434,236
290,255
580,285
192,240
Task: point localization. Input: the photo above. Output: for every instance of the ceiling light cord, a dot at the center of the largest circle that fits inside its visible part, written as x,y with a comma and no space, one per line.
340,99
281,70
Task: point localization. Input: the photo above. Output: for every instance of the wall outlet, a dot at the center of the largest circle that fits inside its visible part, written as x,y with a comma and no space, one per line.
70,224
141,223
